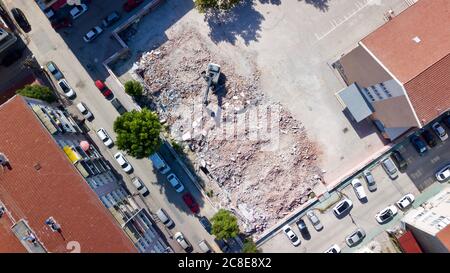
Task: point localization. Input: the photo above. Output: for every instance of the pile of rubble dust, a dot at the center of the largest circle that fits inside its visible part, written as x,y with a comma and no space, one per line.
258,158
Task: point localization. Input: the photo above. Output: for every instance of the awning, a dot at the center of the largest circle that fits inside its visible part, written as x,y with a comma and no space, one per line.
355,102
81,169
71,154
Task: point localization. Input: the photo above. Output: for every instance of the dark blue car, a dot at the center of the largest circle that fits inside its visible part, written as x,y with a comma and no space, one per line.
418,144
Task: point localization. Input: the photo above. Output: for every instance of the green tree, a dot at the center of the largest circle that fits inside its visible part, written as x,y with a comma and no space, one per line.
204,5
138,132
249,246
133,88
37,92
224,225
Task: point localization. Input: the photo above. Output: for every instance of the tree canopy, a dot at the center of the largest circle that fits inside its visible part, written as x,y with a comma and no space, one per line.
224,225
204,5
138,132
133,88
249,246
37,92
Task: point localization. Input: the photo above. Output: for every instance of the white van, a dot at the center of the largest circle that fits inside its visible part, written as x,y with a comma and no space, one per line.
159,163
85,111
162,215
204,247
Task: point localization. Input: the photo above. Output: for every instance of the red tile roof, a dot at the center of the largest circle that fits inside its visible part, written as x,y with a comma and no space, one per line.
55,189
408,243
444,237
8,241
422,67
429,92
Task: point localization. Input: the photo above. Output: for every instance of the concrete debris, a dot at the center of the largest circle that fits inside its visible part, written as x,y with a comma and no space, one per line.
259,160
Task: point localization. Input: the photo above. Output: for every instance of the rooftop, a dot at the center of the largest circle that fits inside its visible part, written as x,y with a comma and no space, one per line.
40,182
414,40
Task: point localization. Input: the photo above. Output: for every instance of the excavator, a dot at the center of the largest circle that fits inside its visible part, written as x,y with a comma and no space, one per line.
211,76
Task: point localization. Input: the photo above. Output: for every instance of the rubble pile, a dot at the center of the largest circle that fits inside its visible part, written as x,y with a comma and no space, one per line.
257,155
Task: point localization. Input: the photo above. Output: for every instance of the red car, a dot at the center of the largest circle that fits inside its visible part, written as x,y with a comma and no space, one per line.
191,203
102,87
61,23
131,4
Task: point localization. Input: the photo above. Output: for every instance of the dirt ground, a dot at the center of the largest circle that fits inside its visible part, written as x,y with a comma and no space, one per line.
259,161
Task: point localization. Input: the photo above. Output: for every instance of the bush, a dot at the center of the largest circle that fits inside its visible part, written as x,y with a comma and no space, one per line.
37,92
204,5
133,88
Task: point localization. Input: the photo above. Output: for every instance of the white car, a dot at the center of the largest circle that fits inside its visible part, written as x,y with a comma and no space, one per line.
359,189
291,235
333,249
105,138
77,11
85,111
123,162
439,131
182,241
92,34
342,207
443,174
66,89
142,189
175,182
386,214
405,201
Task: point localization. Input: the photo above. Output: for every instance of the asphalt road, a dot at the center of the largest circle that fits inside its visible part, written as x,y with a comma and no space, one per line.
47,45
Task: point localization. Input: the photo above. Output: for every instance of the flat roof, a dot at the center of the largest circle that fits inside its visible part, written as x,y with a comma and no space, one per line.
355,102
427,22
41,183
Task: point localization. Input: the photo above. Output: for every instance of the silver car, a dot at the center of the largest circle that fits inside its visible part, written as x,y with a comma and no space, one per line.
356,237
371,185
314,220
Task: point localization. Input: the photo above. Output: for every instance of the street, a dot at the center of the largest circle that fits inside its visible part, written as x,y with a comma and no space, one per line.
47,45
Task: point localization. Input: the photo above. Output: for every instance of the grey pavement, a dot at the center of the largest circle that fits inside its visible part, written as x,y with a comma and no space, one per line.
46,45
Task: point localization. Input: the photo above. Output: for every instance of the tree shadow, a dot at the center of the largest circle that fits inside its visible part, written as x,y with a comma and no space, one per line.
322,5
272,2
243,21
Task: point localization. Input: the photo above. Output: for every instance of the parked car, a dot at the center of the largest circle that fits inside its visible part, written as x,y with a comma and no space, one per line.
446,121
164,218
439,131
77,11
106,92
302,227
206,224
54,70
333,249
204,246
418,144
399,160
314,220
92,34
110,19
291,235
371,185
386,214
430,139
66,89
356,237
129,5
175,182
123,162
191,203
21,20
390,168
359,189
405,201
343,207
184,243
118,105
141,188
159,163
85,111
105,138
443,174
61,23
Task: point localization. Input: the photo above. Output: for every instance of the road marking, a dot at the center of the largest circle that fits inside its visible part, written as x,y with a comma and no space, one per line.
334,25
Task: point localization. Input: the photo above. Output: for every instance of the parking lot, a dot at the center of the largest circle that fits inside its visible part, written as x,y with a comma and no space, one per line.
418,179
